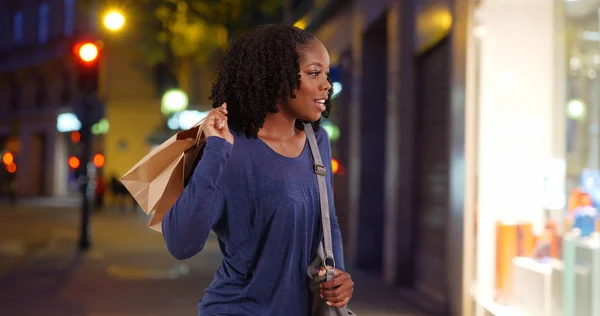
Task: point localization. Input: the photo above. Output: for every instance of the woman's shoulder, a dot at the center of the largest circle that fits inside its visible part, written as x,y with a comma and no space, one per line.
239,137
321,135
323,141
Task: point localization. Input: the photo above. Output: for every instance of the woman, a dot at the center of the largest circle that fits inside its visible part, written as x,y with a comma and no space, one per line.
255,186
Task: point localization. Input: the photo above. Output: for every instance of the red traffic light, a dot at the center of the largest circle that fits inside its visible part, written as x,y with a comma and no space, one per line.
86,52
98,160
8,158
337,168
74,162
11,168
335,165
75,137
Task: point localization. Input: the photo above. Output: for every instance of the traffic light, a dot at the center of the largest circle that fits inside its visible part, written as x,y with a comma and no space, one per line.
87,55
8,159
98,160
335,165
74,162
11,168
75,137
337,168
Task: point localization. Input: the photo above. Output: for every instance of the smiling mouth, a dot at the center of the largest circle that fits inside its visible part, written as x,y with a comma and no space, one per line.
320,104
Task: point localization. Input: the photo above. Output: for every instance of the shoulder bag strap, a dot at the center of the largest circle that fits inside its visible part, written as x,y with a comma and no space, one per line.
321,171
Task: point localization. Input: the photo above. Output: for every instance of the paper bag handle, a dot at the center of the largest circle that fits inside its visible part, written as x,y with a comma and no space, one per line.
198,136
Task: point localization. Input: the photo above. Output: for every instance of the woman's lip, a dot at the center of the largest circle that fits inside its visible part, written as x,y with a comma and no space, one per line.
320,106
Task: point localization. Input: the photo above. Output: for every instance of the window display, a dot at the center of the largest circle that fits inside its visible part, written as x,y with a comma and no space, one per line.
537,178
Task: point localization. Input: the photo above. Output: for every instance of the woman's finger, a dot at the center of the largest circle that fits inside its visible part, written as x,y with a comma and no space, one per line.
341,297
213,121
339,304
342,278
217,116
218,113
339,292
221,120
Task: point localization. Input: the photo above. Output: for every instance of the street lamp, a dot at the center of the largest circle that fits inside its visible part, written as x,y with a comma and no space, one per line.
114,21
173,101
576,109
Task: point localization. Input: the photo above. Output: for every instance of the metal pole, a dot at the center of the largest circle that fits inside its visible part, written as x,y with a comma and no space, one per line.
86,141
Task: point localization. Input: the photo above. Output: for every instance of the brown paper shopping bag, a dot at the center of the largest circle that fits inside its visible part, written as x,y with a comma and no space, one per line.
157,180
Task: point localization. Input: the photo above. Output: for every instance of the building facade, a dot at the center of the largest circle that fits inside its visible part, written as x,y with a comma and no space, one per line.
470,134
39,98
36,83
401,114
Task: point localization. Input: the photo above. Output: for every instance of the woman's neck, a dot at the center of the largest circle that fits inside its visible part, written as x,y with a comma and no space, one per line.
278,125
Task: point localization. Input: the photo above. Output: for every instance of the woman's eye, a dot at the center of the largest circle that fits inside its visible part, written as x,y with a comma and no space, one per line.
314,74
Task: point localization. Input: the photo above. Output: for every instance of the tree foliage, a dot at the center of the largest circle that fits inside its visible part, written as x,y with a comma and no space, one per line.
169,30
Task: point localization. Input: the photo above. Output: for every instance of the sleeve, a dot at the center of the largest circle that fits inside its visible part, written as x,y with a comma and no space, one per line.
336,233
187,224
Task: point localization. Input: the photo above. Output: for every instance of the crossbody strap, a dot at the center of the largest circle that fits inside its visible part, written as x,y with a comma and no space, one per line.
321,172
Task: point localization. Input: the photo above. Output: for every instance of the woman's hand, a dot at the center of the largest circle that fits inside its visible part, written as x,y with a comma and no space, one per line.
216,124
338,291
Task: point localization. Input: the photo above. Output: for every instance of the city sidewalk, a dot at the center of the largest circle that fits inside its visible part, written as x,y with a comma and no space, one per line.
127,272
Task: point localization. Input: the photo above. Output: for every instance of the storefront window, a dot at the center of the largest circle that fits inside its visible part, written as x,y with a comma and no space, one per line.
537,157
581,246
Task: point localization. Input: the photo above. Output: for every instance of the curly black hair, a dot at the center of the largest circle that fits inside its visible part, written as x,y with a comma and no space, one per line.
260,67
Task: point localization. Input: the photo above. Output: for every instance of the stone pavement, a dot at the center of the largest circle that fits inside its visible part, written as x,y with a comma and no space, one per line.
127,272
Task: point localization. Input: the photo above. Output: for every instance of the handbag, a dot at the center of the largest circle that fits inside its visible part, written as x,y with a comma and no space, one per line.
324,257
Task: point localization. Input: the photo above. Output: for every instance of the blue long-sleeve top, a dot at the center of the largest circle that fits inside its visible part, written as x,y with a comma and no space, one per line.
264,209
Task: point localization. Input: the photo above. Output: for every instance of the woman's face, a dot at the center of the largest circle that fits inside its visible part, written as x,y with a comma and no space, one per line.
314,87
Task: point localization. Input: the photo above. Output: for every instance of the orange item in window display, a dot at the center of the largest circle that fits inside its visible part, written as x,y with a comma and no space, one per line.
506,250
525,240
518,240
550,237
578,198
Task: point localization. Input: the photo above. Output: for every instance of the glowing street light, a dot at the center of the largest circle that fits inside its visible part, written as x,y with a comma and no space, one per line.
114,21
173,101
576,109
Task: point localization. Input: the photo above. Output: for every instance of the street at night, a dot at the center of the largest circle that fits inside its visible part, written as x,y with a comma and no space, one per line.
127,272
218,157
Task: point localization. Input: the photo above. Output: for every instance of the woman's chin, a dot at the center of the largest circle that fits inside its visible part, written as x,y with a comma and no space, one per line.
312,118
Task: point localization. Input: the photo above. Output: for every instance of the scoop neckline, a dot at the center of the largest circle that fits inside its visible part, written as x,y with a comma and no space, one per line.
281,157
